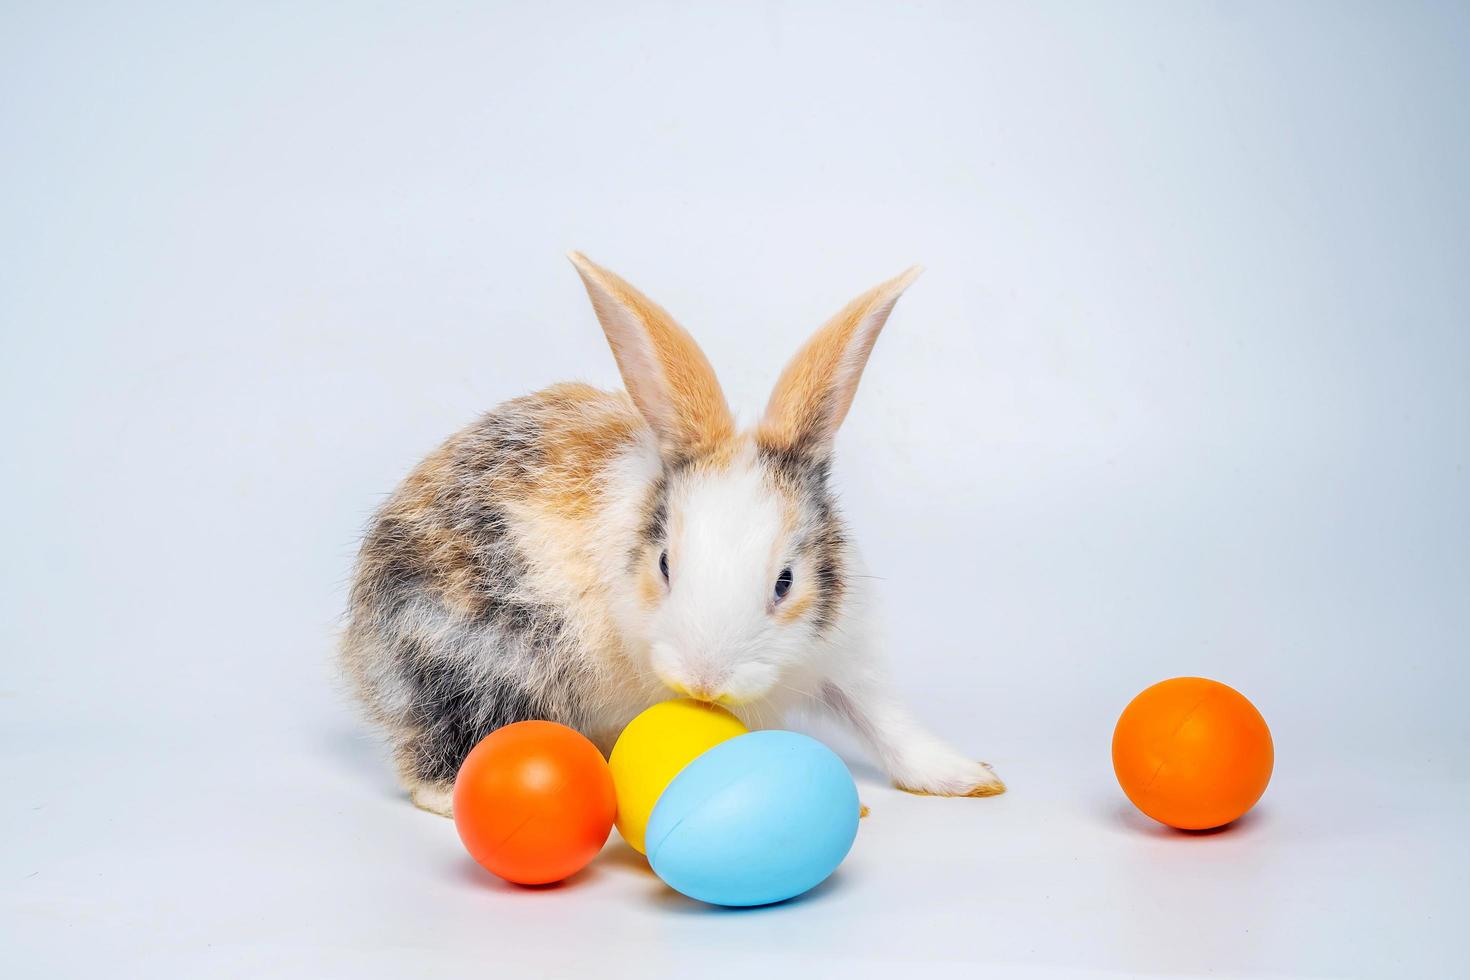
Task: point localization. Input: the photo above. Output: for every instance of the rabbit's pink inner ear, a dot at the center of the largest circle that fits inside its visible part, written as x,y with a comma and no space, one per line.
815,390
666,373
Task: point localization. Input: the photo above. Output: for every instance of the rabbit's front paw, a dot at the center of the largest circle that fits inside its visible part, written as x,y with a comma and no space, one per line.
950,776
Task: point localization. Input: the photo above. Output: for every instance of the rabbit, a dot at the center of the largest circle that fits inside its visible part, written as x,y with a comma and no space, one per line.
578,555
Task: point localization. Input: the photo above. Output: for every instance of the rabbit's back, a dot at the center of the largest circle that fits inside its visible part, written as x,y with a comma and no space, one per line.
480,596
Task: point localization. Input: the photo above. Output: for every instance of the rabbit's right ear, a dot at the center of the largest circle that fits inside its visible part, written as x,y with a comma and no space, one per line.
815,391
669,377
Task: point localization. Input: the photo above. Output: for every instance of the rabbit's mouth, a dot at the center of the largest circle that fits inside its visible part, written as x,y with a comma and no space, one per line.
698,690
739,685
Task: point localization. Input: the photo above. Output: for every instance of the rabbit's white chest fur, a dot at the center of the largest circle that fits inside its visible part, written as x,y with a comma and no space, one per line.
578,555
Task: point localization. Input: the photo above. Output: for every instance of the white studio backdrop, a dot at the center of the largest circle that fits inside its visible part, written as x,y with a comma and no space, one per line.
1183,390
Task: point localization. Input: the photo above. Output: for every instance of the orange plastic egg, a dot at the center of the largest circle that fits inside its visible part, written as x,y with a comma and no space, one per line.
1192,753
534,802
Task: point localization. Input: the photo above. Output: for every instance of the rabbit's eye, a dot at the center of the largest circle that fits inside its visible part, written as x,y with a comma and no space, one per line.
663,565
783,584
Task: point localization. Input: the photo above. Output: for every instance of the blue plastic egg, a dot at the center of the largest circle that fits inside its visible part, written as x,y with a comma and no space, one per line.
757,819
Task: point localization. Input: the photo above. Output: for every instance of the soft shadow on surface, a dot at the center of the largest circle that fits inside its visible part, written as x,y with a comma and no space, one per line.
1128,817
467,872
620,857
674,903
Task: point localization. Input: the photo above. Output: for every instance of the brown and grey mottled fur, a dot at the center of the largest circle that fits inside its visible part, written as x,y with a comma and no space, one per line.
449,635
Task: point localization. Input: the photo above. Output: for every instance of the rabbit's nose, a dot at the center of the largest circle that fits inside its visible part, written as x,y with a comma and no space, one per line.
708,686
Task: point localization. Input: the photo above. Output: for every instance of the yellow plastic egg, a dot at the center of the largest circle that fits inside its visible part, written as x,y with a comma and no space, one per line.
654,748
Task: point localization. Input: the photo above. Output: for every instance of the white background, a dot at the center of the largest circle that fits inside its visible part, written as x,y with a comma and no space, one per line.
1185,390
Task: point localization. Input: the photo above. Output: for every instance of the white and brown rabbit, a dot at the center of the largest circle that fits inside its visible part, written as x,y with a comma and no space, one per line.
577,554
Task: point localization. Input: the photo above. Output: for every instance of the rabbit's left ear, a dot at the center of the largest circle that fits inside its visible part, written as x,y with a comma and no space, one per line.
815,390
667,374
